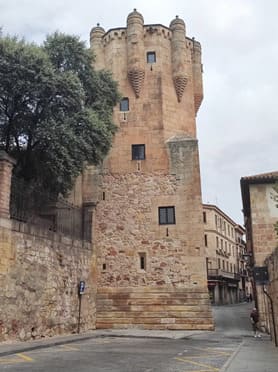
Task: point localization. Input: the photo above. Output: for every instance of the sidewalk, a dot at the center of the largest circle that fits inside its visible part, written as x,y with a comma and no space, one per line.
252,355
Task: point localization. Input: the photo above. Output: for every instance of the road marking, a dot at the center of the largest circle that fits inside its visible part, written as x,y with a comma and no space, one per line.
214,351
25,357
69,348
210,368
10,361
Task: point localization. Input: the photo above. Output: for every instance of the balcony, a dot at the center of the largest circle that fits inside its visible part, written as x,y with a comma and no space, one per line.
222,253
222,274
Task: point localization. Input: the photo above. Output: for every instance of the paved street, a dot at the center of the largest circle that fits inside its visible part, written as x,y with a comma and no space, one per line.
124,354
197,352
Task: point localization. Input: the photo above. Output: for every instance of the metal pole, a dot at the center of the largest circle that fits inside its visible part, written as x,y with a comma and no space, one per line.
273,317
79,314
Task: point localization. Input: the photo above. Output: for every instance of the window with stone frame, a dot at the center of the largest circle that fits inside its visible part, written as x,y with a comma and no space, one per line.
124,104
166,215
138,152
151,57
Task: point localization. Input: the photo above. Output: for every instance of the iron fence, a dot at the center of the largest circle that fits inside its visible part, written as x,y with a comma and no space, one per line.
31,205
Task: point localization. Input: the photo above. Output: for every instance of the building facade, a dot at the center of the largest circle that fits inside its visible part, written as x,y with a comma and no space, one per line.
225,248
260,208
147,228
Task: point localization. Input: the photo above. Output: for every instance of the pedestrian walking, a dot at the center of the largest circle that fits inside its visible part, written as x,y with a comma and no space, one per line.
254,317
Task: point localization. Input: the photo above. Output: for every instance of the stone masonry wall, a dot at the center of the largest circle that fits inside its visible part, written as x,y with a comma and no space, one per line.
39,276
171,291
264,216
272,264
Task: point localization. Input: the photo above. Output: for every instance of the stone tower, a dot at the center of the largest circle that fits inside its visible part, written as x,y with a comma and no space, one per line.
147,224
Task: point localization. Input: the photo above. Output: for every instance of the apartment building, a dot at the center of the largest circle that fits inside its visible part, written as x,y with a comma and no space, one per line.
225,256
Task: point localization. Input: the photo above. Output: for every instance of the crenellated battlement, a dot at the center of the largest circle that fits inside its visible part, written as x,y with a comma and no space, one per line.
149,30
170,45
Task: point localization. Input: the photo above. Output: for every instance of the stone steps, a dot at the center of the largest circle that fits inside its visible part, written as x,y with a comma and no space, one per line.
153,308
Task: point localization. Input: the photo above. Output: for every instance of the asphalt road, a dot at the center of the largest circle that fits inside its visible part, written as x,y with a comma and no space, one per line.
207,351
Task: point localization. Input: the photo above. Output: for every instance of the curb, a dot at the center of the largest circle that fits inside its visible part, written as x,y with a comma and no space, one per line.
25,349
229,361
52,342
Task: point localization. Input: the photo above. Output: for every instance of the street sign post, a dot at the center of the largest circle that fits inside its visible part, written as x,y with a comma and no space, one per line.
81,290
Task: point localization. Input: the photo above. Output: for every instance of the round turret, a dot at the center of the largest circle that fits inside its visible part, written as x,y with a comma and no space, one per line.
179,56
135,17
177,24
96,35
135,51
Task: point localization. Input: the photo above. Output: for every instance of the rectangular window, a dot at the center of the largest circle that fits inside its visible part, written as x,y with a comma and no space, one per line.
219,263
138,152
204,217
217,242
124,104
216,221
166,215
151,57
142,261
206,240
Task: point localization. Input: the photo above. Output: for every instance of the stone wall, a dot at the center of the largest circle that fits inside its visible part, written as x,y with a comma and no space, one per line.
39,276
272,288
264,216
171,291
162,98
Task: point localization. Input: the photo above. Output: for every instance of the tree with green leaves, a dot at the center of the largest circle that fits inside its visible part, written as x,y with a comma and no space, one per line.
55,109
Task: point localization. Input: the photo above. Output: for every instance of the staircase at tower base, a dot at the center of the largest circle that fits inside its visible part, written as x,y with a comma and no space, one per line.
153,308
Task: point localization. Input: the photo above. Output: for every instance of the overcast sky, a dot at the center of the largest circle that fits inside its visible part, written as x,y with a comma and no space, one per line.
237,122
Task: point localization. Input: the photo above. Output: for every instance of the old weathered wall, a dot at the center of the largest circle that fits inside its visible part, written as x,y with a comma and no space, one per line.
171,290
39,275
264,216
272,288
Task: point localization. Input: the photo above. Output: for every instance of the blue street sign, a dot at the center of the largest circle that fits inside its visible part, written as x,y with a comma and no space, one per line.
81,287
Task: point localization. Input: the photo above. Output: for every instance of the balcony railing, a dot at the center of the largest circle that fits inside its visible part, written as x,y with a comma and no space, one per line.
219,273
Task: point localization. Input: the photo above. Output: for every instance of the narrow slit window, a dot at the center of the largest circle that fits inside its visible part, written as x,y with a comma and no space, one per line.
166,215
142,261
124,104
151,57
138,152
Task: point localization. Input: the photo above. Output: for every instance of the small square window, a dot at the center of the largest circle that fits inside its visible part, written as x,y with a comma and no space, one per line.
124,104
166,215
138,152
151,57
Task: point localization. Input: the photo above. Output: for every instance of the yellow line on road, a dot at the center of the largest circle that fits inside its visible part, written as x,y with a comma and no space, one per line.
225,353
211,368
25,357
9,361
69,348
